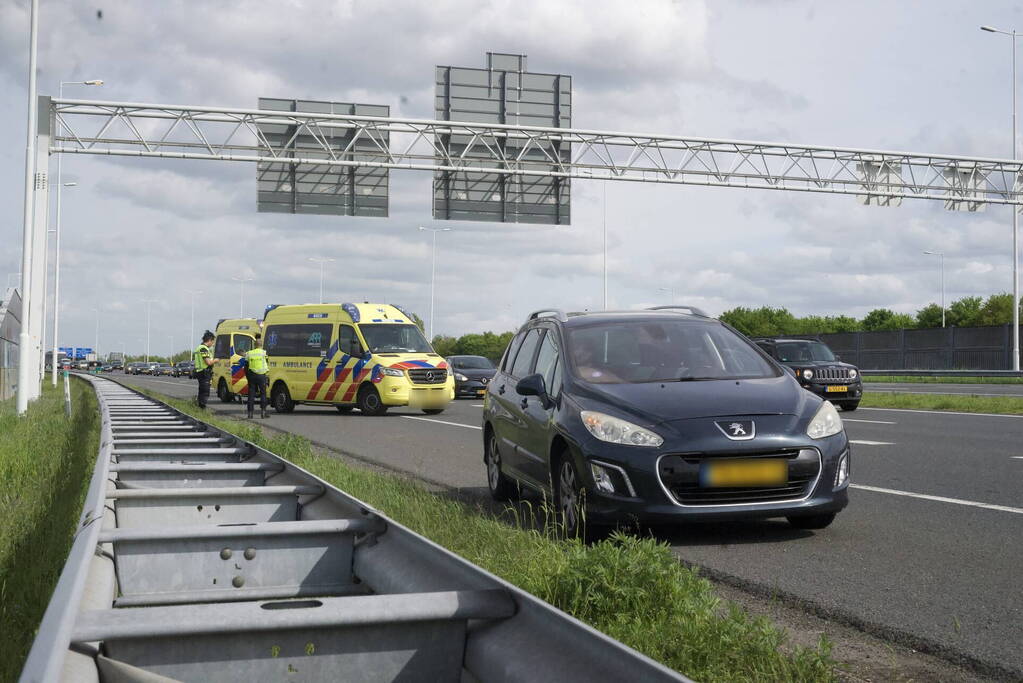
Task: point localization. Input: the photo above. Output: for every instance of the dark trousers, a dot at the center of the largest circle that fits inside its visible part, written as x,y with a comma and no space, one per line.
257,382
204,386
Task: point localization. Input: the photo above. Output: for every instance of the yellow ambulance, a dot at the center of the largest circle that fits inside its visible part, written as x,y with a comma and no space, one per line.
369,356
235,336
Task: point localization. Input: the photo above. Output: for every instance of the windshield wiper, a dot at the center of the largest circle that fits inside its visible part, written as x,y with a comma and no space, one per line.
697,379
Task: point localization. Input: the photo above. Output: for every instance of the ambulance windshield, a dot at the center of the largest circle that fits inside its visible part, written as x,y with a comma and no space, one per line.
391,338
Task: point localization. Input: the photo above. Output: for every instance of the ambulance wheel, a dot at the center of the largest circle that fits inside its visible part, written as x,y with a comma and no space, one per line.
281,398
344,410
433,411
369,401
223,393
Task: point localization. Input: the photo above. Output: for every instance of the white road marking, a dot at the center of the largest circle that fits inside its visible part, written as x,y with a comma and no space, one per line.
443,422
1017,457
871,443
940,412
873,422
940,499
477,405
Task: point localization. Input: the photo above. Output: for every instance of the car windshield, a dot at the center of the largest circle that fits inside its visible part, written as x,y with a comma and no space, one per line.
390,338
472,363
662,351
802,351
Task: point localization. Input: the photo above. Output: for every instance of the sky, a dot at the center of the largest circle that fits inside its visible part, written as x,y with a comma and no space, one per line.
916,76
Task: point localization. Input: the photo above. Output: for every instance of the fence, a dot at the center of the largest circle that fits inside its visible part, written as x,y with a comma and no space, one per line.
949,348
10,328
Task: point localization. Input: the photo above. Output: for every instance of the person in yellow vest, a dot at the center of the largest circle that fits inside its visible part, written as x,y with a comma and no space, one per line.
202,357
256,369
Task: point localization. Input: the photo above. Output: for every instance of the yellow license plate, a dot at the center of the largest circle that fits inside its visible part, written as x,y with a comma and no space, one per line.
745,472
480,392
837,388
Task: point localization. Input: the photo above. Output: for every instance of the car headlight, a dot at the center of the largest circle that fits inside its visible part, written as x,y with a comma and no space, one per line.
807,374
393,372
825,423
614,430
853,374
460,377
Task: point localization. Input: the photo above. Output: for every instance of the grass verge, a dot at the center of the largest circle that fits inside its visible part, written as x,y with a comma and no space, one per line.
633,589
891,379
1008,405
46,461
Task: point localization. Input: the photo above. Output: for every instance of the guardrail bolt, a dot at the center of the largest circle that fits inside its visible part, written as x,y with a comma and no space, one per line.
238,582
225,554
250,553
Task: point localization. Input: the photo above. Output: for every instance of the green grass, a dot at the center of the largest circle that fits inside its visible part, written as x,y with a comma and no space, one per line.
941,380
633,589
1008,405
46,462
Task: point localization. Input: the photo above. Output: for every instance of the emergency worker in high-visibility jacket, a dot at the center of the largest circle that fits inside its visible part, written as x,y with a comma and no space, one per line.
256,369
202,357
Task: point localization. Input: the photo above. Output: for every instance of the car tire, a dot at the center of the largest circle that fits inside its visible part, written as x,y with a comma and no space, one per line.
433,411
344,410
369,401
569,499
223,393
281,398
850,406
812,521
501,487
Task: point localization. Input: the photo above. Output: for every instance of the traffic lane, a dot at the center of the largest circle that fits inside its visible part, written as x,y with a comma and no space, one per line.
973,457
446,449
951,389
945,573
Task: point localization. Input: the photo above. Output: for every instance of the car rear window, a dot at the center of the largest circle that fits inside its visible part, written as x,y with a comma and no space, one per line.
662,351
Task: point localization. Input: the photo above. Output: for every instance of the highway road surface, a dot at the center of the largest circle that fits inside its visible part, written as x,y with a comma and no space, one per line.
929,551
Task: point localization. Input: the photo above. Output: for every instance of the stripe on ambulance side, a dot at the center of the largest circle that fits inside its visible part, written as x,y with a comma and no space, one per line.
322,371
358,374
340,374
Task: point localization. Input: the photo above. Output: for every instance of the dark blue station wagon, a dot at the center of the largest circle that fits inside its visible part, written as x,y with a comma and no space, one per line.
662,415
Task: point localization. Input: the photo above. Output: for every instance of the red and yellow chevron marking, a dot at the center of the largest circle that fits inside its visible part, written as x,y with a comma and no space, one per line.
350,392
342,376
237,375
324,374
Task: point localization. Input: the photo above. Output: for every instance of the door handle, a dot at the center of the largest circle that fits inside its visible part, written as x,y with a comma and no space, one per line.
500,390
524,403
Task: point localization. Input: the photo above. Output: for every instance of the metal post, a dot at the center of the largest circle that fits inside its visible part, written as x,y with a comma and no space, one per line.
322,261
95,348
67,394
25,374
147,302
1015,227
191,335
433,273
241,302
605,242
941,261
40,226
56,277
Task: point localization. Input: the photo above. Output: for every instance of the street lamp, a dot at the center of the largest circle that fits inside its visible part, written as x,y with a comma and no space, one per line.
147,302
670,290
321,261
1015,210
95,347
56,274
433,271
241,303
941,280
191,330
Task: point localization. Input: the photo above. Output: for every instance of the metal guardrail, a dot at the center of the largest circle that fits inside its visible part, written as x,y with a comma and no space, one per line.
200,556
942,373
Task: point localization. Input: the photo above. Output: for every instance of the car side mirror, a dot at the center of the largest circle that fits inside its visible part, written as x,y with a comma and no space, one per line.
839,358
792,370
533,385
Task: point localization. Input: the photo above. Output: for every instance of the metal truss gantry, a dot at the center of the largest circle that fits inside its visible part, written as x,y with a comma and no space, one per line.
876,177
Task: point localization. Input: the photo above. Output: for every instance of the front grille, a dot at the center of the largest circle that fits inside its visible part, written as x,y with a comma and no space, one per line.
830,375
680,477
428,375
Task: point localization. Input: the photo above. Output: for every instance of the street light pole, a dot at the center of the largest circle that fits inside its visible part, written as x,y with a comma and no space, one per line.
191,331
56,273
604,221
670,290
147,302
25,374
433,271
1015,210
95,347
241,303
321,261
941,280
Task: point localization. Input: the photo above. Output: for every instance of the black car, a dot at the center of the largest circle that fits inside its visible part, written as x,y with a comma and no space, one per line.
472,374
183,368
659,416
818,369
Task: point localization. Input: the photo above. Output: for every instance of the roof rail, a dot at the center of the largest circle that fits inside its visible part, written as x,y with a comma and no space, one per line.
548,313
692,310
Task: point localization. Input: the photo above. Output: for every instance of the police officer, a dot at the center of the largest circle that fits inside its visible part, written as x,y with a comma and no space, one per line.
256,369
202,357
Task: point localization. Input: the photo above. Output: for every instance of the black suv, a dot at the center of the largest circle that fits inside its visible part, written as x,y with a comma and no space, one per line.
662,415
472,374
818,369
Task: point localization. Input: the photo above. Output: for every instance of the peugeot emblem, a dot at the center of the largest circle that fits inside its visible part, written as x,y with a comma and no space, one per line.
737,430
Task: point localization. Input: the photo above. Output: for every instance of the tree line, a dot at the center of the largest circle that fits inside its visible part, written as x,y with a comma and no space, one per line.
969,311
